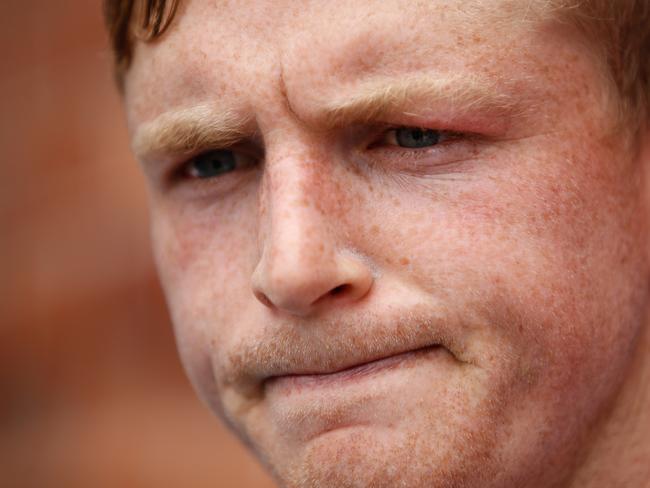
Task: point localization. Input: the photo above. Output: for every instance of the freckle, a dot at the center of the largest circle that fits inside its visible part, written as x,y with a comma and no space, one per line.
548,216
374,229
353,168
396,202
404,261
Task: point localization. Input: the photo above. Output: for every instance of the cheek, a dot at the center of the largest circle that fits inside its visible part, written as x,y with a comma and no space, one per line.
548,253
205,246
548,248
204,255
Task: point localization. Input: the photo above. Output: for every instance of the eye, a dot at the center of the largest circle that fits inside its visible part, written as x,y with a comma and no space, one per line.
215,163
413,137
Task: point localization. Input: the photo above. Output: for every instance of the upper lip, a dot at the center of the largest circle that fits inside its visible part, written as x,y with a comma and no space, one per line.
327,348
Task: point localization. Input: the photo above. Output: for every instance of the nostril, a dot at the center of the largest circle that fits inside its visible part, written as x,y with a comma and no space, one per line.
339,289
263,298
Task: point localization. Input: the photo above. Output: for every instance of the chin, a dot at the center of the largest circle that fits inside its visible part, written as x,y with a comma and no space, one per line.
449,444
363,457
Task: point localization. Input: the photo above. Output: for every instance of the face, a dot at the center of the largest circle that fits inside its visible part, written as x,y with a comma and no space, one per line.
400,241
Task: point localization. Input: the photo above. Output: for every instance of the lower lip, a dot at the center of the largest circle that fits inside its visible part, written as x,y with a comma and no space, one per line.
297,383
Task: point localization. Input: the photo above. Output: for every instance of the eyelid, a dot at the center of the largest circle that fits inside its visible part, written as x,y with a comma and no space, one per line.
455,150
179,183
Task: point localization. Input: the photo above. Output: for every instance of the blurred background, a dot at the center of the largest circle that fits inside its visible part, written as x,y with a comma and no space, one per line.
91,390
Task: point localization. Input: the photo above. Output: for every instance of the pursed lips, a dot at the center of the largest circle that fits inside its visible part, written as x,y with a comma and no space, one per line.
358,371
335,349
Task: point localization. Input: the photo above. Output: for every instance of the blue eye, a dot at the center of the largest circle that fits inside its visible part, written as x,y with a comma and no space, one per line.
212,164
415,137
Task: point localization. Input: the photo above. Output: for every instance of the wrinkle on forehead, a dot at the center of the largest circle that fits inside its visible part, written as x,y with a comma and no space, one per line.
249,52
367,43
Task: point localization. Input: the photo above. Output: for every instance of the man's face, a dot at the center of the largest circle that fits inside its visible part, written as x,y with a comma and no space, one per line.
400,241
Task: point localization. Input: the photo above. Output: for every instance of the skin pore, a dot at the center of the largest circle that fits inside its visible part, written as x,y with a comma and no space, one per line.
402,243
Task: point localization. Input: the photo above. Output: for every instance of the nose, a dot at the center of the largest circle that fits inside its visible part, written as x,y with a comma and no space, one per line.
303,267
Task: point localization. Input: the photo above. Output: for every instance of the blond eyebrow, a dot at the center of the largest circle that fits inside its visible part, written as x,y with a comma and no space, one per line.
381,98
190,129
202,126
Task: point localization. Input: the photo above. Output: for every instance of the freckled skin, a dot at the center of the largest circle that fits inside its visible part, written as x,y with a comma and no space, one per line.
529,252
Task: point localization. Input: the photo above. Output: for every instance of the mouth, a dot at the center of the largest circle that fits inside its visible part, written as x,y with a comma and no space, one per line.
335,353
292,383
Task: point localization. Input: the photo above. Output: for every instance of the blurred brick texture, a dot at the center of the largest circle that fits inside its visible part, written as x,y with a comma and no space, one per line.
91,390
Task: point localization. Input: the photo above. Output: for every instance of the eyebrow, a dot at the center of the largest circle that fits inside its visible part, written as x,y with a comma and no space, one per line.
189,129
204,126
380,98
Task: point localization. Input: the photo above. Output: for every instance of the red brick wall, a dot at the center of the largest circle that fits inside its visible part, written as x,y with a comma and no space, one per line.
91,390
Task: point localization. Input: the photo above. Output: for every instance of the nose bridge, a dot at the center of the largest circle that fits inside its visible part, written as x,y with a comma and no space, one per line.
302,264
295,213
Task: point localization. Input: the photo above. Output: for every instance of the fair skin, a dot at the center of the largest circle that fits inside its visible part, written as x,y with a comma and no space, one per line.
422,256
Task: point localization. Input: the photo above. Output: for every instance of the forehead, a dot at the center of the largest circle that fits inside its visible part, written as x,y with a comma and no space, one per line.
244,52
